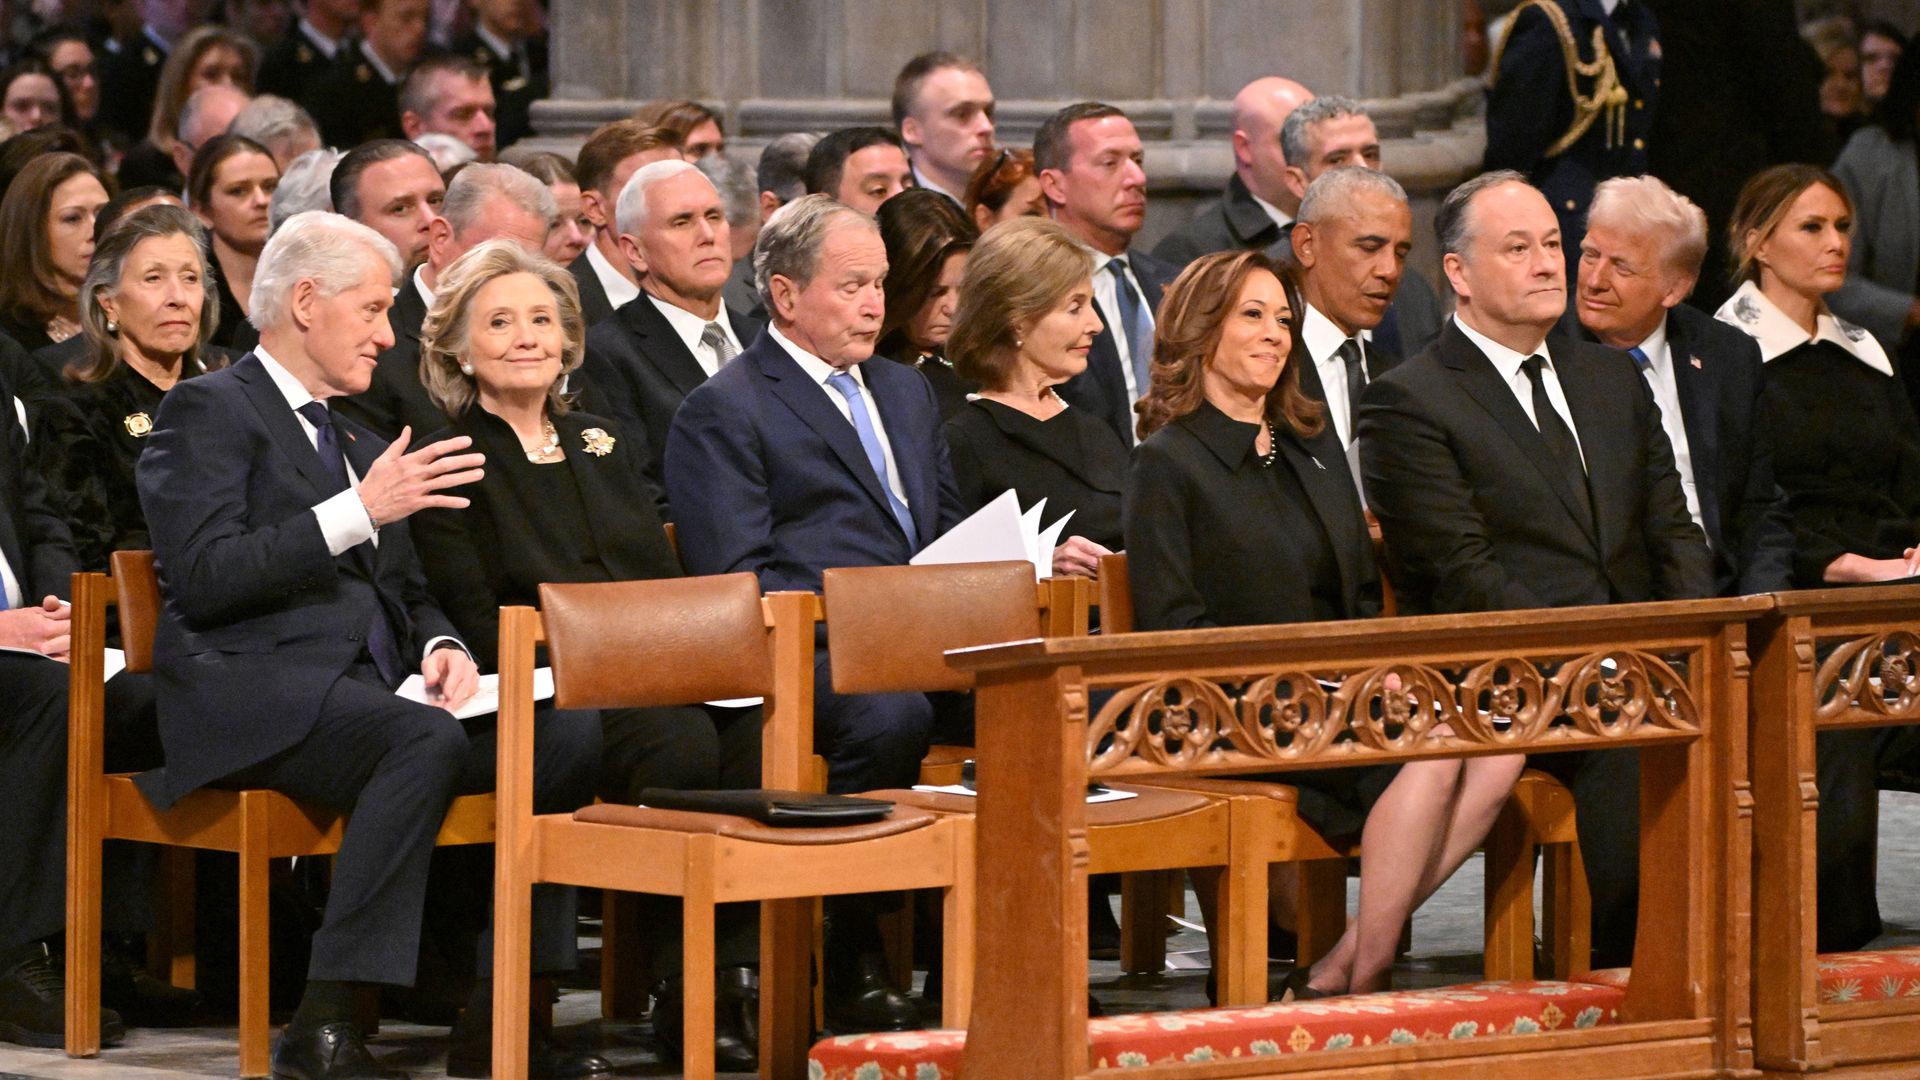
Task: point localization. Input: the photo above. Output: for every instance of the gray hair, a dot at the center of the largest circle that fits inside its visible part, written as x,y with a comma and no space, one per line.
274,122
110,264
196,104
783,165
630,210
1333,191
1644,206
304,186
1452,223
443,335
1293,133
734,181
327,249
789,243
466,201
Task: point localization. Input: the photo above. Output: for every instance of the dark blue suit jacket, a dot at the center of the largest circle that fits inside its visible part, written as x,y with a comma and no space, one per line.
1102,388
766,475
259,620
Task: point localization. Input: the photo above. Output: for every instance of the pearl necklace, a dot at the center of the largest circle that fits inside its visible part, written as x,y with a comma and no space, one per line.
548,451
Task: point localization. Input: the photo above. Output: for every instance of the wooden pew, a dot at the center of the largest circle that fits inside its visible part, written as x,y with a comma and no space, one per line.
1248,700
256,825
1826,660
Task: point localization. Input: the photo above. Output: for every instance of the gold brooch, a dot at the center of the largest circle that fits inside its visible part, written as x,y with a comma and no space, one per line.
599,443
139,425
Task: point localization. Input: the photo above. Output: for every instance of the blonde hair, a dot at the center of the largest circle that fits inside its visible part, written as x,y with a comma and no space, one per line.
1019,271
1763,204
443,336
1643,205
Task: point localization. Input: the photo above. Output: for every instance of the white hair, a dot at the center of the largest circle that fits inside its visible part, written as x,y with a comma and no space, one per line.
327,249
274,122
630,210
447,151
465,204
1644,206
1333,191
789,243
304,186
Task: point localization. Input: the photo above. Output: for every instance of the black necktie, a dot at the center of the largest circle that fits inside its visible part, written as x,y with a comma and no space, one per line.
381,645
1558,437
1356,382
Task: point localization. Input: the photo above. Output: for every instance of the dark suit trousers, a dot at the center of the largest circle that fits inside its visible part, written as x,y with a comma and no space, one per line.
1606,800
685,748
33,800
870,741
1847,828
394,766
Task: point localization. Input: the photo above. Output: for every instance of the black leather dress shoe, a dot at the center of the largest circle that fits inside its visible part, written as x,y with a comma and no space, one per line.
470,1053
33,1001
144,1000
860,999
335,1051
736,1019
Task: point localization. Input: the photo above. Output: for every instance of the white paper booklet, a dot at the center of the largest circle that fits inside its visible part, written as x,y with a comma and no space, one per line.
484,700
999,532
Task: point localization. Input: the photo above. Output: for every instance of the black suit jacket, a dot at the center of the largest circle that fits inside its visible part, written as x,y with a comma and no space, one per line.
1476,517
129,76
1326,445
1201,520
594,305
1716,368
1233,223
397,398
500,549
516,86
639,370
258,620
1102,388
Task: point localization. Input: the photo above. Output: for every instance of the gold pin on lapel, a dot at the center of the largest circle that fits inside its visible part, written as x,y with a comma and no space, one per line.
599,443
139,425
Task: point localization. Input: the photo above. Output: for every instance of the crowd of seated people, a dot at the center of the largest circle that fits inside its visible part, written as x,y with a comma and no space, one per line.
355,401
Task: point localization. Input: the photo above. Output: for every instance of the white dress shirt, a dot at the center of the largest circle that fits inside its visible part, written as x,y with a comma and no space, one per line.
1750,310
344,520
1507,363
614,283
1108,297
1280,217
328,47
379,66
921,179
1666,393
1323,341
420,283
692,328
819,370
11,582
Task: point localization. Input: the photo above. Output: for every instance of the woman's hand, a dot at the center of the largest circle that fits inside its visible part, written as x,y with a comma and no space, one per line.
1851,569
1078,557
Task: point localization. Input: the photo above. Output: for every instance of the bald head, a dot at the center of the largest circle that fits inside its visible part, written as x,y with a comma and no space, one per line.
1259,110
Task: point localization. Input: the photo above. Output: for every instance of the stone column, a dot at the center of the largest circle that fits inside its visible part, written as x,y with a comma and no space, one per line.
772,66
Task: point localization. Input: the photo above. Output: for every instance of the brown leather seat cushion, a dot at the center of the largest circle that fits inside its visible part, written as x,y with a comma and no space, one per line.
904,819
1153,804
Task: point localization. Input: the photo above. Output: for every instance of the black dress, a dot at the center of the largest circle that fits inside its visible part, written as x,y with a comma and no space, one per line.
589,517
1072,460
1216,537
1846,450
226,332
949,389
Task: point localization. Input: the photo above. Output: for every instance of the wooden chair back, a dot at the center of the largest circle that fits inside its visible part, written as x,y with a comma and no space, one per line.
1116,595
667,641
137,594
890,627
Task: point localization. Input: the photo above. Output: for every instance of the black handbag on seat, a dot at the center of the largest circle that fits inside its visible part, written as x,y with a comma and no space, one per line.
771,806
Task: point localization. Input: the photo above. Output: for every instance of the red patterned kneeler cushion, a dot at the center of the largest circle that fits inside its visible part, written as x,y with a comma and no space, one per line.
1455,1012
1845,977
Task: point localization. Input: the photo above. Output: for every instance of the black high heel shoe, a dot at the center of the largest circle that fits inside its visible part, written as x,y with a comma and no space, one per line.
1295,988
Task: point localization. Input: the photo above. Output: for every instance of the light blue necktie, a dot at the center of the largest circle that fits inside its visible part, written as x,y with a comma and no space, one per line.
1640,361
1136,322
870,442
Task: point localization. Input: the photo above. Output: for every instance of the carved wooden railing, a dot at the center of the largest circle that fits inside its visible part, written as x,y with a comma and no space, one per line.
1825,661
1661,678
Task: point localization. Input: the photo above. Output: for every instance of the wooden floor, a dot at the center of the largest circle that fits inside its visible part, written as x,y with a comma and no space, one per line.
1445,951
